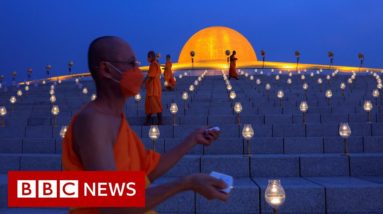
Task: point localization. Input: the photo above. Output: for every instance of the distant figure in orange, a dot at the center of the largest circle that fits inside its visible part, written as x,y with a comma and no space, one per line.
170,81
153,104
233,66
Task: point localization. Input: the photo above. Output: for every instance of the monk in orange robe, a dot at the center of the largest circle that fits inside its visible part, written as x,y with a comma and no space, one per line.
233,66
100,138
170,82
153,104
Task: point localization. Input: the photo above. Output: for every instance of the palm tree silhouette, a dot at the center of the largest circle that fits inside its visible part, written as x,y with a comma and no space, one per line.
330,55
263,54
297,55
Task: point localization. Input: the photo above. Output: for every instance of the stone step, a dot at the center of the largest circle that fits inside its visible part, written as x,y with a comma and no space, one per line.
224,145
261,165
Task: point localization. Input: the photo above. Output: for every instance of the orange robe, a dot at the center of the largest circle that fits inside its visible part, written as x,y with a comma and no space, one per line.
233,68
129,155
153,90
169,78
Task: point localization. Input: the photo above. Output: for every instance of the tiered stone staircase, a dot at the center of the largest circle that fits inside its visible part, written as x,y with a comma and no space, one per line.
306,155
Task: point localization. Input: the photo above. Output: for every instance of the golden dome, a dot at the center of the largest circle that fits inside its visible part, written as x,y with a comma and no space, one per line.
210,45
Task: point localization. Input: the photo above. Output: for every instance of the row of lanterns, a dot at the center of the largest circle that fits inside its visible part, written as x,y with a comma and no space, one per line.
274,193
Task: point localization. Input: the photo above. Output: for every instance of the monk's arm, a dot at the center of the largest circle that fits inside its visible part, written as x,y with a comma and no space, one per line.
96,153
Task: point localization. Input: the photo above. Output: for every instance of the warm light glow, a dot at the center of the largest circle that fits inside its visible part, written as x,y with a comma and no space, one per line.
52,99
154,132
375,93
237,107
85,90
367,106
305,86
93,97
63,131
3,111
191,88
342,86
344,130
232,95
137,97
328,94
173,108
26,88
19,93
185,95
320,81
268,87
55,110
229,87
12,100
280,94
51,91
289,81
247,132
303,107
258,81
211,43
275,194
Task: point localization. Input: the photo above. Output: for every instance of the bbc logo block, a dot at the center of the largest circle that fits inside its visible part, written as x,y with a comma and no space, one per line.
47,189
76,189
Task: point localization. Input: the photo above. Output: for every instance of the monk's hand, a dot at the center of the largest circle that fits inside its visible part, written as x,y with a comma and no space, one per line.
204,136
207,186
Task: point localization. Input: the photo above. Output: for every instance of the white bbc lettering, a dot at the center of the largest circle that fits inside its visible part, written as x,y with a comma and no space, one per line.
117,188
102,189
47,188
133,191
92,190
26,189
69,188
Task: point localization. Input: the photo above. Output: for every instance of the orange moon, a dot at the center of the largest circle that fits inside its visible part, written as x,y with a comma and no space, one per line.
210,44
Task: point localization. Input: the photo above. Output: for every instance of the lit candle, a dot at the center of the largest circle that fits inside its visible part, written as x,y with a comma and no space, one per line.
248,134
275,195
85,90
154,134
63,131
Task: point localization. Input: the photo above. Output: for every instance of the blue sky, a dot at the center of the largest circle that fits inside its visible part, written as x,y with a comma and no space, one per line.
39,32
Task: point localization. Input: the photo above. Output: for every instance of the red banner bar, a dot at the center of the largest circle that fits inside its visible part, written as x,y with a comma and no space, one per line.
76,189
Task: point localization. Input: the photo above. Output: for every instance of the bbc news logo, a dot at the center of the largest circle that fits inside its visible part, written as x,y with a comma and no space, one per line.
76,189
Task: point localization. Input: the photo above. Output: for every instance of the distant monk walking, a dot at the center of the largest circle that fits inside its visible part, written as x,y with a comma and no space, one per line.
170,82
233,66
153,103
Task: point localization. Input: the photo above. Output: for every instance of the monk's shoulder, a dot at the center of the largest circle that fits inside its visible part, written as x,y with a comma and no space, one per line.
89,121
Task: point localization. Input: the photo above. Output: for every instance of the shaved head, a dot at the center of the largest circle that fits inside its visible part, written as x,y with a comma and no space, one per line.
107,48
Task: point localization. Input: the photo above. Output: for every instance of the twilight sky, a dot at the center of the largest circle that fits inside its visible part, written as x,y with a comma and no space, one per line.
39,32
